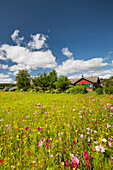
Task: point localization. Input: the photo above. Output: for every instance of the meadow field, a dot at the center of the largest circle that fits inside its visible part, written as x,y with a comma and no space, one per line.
56,131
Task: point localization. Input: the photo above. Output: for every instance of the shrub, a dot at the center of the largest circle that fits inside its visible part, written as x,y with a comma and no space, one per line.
110,89
67,91
78,89
41,91
57,91
99,91
47,91
52,92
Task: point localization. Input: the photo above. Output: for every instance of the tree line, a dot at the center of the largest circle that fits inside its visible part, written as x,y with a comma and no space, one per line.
45,81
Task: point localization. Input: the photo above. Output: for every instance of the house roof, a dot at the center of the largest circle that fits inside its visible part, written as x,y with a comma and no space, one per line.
91,79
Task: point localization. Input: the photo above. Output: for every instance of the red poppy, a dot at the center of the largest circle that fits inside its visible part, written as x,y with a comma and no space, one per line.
1,161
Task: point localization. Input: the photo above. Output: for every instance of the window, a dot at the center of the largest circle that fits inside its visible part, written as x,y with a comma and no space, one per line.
88,84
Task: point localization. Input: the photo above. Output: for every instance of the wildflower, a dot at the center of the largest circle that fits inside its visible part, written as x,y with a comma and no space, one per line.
75,142
66,163
104,140
51,156
28,152
47,140
88,133
1,119
8,128
88,128
26,117
109,144
27,128
39,128
75,160
43,139
96,122
110,139
74,165
72,155
88,163
4,138
81,117
1,161
95,131
40,143
46,146
81,136
86,156
101,148
97,148
88,139
96,142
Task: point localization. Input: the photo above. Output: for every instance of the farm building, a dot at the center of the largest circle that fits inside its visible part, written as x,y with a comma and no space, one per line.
90,82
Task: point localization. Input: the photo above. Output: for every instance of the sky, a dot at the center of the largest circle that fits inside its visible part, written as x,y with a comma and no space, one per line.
74,37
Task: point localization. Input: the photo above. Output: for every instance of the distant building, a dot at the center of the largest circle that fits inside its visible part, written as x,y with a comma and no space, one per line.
90,82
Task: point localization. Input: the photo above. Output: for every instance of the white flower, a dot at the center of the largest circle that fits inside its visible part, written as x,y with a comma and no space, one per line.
104,140
97,148
72,155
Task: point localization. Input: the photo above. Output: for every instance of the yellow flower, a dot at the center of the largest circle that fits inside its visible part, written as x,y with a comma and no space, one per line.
62,163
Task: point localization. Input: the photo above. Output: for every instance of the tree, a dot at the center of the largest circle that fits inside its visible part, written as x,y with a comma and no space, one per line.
23,80
62,83
52,79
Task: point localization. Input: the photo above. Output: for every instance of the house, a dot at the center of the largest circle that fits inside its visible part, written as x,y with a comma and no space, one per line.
90,82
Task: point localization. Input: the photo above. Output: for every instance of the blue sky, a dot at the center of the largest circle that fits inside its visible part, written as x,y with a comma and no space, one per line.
74,37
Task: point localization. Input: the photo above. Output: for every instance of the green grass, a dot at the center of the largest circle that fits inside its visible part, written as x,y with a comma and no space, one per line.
62,119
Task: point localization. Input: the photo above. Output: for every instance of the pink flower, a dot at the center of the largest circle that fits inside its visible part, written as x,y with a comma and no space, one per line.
47,140
26,117
74,165
51,156
81,117
86,156
43,139
110,139
101,148
96,122
39,128
81,136
28,152
95,131
88,133
88,139
46,146
88,163
75,142
27,128
40,143
66,163
109,144
75,160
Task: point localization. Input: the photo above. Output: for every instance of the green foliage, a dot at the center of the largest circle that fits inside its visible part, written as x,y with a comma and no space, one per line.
62,83
52,79
48,91
57,91
41,91
52,92
78,89
23,80
67,91
109,90
99,90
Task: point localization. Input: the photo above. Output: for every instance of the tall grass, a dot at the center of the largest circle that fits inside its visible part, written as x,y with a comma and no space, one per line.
56,131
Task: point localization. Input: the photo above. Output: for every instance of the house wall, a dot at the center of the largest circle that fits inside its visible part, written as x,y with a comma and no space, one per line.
85,82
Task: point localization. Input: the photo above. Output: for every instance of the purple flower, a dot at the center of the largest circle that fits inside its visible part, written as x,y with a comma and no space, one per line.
81,117
8,128
1,119
109,144
26,117
96,122
110,139
27,128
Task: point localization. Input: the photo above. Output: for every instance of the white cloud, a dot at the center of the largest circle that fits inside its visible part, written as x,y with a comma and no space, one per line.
38,41
3,66
101,74
15,37
66,52
8,80
75,66
3,75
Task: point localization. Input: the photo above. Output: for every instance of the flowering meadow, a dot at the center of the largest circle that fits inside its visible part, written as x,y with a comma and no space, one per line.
56,131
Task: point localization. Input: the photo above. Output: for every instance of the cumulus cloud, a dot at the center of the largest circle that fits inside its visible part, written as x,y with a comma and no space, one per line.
75,66
5,78
27,57
65,51
101,74
15,37
38,41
